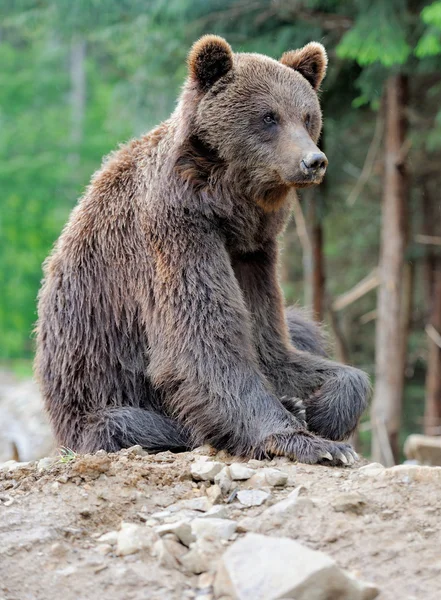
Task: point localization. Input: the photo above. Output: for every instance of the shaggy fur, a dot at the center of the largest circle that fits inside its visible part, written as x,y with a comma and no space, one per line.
161,318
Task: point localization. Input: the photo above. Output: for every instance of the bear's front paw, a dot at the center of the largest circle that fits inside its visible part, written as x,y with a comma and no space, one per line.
308,448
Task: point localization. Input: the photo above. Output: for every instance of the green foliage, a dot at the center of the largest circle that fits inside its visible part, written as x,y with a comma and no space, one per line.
378,35
430,42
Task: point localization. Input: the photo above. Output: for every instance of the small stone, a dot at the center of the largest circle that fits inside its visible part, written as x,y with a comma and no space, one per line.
205,471
268,477
261,567
58,550
104,549
371,470
133,537
111,537
350,502
46,463
182,529
240,472
409,473
252,497
168,552
288,505
13,465
224,481
211,528
201,503
203,556
137,450
218,512
214,494
55,486
205,580
256,464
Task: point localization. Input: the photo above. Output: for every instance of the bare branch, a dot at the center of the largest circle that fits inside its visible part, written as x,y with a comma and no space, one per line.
433,334
370,282
431,240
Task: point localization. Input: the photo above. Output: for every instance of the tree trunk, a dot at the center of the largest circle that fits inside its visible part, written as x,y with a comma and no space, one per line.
390,333
432,412
318,272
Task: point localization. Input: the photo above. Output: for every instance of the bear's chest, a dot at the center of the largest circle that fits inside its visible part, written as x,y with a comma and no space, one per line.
250,227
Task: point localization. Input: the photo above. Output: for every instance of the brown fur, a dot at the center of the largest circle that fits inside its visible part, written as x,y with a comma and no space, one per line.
161,318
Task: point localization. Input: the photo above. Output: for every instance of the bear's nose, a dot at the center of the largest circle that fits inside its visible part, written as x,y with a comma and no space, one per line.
314,161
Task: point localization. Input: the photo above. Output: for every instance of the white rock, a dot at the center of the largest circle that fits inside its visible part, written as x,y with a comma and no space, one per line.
371,470
283,507
268,477
218,511
206,470
46,463
409,473
182,530
168,552
111,537
218,529
214,493
13,465
240,472
201,503
203,556
252,497
133,537
104,549
137,450
258,567
224,481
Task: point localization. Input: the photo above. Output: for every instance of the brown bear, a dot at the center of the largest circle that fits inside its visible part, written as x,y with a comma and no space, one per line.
161,319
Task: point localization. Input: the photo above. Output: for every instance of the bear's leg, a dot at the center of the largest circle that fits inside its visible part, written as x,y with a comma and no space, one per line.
332,395
305,334
115,428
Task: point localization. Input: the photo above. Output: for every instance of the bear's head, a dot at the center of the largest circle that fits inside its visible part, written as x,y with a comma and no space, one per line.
254,119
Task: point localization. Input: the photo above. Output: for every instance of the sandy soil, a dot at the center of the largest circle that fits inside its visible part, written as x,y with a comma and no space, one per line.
385,527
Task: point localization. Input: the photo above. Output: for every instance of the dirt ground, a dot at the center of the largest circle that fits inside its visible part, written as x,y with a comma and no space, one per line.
385,527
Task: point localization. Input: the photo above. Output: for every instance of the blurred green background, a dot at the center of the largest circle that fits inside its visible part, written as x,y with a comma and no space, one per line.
79,77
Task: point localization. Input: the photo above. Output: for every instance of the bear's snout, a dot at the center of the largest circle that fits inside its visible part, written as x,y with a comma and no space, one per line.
314,164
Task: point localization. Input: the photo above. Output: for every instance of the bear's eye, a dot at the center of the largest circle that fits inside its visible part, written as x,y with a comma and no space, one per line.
307,120
270,119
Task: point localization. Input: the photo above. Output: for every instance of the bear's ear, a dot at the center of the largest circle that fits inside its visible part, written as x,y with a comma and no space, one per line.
209,59
311,61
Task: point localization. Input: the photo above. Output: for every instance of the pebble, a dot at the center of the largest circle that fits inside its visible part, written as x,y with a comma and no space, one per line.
104,549
212,528
218,511
205,471
46,463
410,473
182,530
240,472
259,567
268,477
111,537
168,552
201,503
252,497
133,537
214,493
349,503
224,481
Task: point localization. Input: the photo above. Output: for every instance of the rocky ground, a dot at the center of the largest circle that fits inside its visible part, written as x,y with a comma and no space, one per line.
197,525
